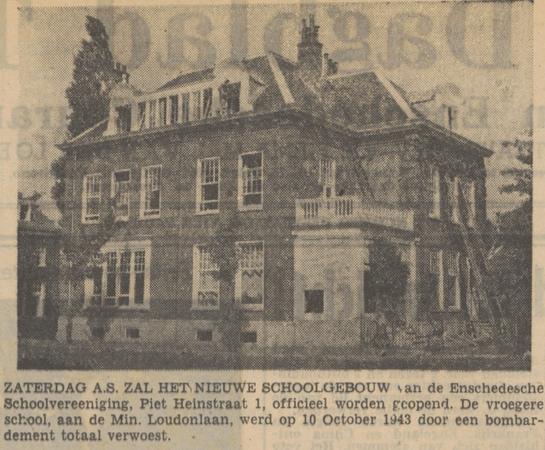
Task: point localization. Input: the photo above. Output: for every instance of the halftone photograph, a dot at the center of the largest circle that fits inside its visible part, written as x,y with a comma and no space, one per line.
284,186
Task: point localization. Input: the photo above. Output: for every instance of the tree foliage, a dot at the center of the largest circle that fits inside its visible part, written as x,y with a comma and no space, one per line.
87,95
93,75
511,260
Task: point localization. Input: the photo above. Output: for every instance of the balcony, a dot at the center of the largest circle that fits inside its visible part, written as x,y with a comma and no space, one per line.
350,209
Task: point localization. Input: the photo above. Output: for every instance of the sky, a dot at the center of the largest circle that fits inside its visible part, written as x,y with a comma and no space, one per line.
476,56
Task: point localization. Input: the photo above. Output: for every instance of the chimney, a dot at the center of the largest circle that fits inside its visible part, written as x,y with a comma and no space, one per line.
309,50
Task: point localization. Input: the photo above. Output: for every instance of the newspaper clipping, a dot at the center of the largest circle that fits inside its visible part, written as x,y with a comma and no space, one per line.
263,225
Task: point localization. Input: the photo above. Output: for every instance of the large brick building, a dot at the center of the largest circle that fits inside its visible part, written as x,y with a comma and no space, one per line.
305,167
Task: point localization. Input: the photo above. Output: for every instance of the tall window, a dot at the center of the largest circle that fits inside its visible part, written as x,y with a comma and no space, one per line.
327,177
120,193
206,285
435,279
207,103
249,282
251,181
196,105
141,115
173,109
42,256
453,207
151,192
185,108
229,97
435,192
123,119
208,184
122,279
452,280
91,198
111,279
95,296
139,276
162,112
36,306
152,113
468,198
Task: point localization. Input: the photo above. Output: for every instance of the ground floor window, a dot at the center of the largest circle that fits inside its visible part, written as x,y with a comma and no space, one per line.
249,283
35,301
314,301
452,280
120,276
443,288
206,285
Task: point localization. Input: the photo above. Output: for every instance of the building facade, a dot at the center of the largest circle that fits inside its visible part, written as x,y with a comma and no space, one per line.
295,169
38,244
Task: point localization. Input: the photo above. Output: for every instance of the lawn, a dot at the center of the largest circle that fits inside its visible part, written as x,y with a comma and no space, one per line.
35,354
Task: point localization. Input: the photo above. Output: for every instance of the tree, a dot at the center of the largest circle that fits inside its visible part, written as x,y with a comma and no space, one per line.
511,258
87,95
93,75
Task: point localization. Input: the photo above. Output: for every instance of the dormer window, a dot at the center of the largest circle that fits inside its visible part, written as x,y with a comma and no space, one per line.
196,105
141,115
173,109
207,103
230,97
152,113
185,108
123,119
162,112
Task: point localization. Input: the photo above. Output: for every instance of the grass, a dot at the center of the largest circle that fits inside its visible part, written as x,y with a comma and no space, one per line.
53,355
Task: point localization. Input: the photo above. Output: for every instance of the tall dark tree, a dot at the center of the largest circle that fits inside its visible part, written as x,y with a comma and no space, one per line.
87,95
511,259
92,76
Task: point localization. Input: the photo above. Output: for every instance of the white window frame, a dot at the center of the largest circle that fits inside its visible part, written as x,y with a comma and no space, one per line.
40,295
241,184
113,193
87,218
119,248
42,256
453,200
162,113
435,175
142,118
195,101
238,277
456,195
457,288
197,271
150,214
200,183
438,255
468,186
153,116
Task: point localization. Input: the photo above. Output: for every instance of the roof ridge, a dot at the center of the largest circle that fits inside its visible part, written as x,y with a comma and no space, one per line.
280,79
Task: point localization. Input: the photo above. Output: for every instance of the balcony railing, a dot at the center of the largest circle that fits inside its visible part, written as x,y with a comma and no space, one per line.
350,209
